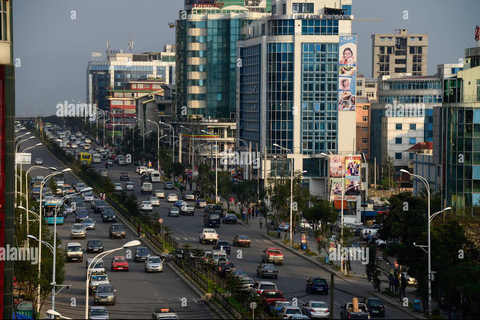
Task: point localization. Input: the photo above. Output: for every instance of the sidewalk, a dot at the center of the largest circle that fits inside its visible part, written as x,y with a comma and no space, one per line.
357,273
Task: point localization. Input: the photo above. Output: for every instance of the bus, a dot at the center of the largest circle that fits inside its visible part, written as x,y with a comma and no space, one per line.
52,206
85,158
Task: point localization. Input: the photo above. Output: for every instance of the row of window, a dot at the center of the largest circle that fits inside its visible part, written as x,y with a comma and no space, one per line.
415,85
411,99
399,156
399,126
319,27
410,140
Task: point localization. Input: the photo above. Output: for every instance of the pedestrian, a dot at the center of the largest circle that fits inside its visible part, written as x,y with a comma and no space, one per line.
191,186
256,212
390,282
369,276
181,189
139,230
396,284
261,225
403,284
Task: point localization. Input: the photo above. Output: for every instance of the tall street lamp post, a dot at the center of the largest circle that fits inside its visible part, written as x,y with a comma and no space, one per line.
216,167
158,144
173,135
193,148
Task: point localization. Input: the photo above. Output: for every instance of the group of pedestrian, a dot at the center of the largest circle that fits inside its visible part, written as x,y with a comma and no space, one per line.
397,284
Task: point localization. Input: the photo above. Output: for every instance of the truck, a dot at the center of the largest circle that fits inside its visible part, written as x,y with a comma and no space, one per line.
272,255
347,311
208,235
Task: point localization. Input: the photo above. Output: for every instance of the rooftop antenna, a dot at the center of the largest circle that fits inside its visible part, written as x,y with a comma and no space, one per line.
130,44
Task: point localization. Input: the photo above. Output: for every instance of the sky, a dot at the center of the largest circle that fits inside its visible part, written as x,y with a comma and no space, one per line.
54,39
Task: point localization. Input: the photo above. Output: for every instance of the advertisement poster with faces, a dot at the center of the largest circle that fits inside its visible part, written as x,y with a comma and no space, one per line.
347,73
336,166
350,167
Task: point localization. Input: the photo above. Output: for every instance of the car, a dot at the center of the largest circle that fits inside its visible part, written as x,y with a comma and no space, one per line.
241,240
129,186
230,218
97,205
174,212
124,176
141,254
146,187
108,215
187,208
88,196
119,263
153,263
317,284
155,201
375,306
316,309
81,214
172,197
98,312
267,270
287,312
225,268
79,187
259,286
141,170
179,203
164,313
176,253
222,245
169,185
117,230
273,255
269,297
78,230
277,307
110,162
214,258
39,161
188,196
89,223
105,294
96,267
103,172
160,194
94,246
410,280
201,203
96,280
118,186
146,206
208,235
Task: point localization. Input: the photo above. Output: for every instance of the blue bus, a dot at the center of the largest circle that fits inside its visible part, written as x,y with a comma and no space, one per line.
51,207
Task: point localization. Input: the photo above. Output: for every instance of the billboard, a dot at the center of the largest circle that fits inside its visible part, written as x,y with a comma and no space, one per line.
336,166
345,176
352,164
347,73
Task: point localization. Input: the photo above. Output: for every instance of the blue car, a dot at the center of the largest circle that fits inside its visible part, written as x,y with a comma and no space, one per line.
179,203
81,214
230,218
315,285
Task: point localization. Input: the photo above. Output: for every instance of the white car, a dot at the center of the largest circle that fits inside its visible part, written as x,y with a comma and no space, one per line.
142,170
155,201
39,161
129,186
147,206
160,194
118,186
88,197
410,281
172,197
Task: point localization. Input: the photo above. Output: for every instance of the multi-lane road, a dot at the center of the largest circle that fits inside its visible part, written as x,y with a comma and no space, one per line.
139,293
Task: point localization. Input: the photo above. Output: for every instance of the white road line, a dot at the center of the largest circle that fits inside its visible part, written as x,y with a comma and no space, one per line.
336,303
186,239
146,282
156,294
193,239
194,300
178,239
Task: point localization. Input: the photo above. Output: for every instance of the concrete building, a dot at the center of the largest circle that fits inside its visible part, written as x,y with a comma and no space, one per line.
291,91
7,154
124,66
460,121
367,88
399,53
403,116
363,127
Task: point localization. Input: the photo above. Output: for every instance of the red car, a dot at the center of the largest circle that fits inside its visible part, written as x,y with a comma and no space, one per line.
120,263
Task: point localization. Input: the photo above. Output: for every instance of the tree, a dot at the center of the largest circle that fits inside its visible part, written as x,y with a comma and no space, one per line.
323,215
372,269
389,172
225,184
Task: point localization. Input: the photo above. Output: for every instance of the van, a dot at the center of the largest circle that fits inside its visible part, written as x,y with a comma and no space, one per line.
155,176
211,220
351,221
97,267
367,231
97,158
74,251
122,161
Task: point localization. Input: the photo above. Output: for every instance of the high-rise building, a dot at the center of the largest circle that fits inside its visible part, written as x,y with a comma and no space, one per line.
403,116
460,121
296,87
124,66
399,53
7,155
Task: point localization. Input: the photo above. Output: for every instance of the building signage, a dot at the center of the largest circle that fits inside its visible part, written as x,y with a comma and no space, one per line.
208,4
344,174
477,33
336,17
347,73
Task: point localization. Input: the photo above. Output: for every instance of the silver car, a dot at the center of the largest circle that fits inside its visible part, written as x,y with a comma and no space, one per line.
316,309
78,230
98,312
89,223
153,263
118,186
129,186
105,294
88,197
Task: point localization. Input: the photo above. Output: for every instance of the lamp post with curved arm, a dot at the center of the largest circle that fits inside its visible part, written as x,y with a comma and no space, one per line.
193,147
158,143
143,131
216,167
173,135
21,165
95,259
16,151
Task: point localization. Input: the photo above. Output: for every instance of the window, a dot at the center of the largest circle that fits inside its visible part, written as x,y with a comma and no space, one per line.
359,93
364,140
398,126
365,151
410,156
274,9
3,21
365,108
364,130
302,8
478,90
398,140
398,156
365,119
413,126
412,140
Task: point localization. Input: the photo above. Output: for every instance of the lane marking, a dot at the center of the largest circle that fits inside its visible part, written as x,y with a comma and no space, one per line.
195,300
186,239
156,294
178,239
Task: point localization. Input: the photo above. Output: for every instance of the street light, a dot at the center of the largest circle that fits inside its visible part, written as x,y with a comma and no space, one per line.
216,167
143,130
173,131
429,246
56,314
40,233
291,190
158,143
98,257
16,151
21,166
193,147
